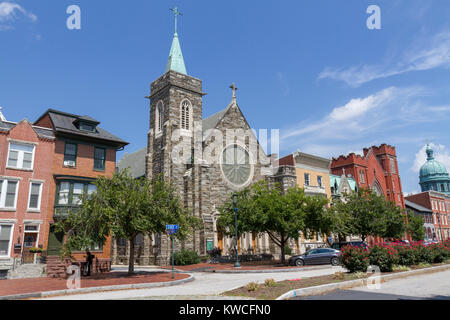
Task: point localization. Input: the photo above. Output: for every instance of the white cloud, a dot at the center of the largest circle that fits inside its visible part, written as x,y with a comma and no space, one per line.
357,116
425,54
10,11
441,154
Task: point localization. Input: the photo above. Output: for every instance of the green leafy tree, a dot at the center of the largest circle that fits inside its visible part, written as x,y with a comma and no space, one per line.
125,207
282,216
415,226
364,213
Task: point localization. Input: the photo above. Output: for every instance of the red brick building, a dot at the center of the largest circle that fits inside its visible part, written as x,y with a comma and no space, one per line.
26,153
82,152
377,169
439,203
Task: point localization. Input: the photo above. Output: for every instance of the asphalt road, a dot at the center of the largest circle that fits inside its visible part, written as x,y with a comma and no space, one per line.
434,286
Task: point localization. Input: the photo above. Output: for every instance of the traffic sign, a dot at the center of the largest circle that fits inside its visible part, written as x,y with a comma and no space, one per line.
172,228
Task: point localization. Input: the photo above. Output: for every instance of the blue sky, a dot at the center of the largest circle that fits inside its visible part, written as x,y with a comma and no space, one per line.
309,68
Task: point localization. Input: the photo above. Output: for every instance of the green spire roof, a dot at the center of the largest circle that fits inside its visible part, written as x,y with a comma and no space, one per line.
176,61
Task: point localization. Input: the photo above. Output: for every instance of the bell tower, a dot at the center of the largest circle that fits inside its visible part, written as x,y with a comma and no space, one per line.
175,107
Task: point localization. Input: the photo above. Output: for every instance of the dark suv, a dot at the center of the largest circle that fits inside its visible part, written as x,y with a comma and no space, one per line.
340,245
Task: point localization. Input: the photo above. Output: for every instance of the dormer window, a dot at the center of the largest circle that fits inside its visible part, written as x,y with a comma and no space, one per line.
86,123
87,127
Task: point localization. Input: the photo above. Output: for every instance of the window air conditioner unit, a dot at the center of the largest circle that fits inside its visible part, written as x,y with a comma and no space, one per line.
69,163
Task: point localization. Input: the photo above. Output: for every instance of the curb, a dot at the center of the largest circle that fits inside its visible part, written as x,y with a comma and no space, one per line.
98,289
260,271
356,283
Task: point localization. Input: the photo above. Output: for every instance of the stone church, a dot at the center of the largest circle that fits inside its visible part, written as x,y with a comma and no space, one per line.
207,159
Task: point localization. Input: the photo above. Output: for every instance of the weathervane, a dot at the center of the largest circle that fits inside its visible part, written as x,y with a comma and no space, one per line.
177,13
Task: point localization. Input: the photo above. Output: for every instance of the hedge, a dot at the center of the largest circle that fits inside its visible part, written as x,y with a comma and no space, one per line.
385,256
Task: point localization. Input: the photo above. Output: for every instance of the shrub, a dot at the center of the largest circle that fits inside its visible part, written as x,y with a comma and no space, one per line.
383,256
400,268
439,252
270,282
252,286
423,253
339,276
287,250
424,265
406,255
186,257
355,259
214,253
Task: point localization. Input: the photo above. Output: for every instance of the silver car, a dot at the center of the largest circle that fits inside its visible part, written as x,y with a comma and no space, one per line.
317,256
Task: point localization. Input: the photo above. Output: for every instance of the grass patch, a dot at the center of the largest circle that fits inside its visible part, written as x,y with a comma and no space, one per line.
400,268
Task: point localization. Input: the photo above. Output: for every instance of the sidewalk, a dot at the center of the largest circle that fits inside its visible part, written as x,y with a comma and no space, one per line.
14,287
245,268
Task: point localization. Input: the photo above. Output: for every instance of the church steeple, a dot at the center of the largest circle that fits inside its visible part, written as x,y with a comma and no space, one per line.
176,61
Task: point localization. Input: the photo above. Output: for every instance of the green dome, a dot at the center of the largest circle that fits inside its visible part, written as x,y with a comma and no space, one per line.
434,175
432,168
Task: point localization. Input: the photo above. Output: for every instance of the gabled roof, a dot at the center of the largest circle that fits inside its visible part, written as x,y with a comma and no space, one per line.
135,162
212,121
64,123
417,207
337,179
43,133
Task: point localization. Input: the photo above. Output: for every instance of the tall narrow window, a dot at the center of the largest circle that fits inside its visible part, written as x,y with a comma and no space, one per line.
63,197
185,115
35,196
306,179
70,154
5,239
99,158
362,178
319,181
78,189
159,116
11,190
20,156
8,194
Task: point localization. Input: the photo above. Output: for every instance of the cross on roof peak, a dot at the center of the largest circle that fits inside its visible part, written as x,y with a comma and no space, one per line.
176,13
234,88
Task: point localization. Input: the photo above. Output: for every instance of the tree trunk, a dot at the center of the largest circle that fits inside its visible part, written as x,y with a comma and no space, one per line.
131,262
283,244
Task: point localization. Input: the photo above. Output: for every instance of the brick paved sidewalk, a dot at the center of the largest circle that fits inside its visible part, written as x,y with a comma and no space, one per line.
36,285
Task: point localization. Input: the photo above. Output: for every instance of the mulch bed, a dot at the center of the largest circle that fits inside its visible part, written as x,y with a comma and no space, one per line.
272,292
34,285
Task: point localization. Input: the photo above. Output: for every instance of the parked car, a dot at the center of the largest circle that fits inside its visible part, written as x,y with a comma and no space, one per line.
317,256
340,245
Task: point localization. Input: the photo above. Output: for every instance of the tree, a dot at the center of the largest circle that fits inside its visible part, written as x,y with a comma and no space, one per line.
415,226
282,216
125,207
364,213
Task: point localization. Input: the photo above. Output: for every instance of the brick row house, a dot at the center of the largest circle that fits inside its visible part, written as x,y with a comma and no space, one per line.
439,204
25,190
44,169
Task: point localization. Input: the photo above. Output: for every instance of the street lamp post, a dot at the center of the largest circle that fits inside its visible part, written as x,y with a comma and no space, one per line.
236,264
